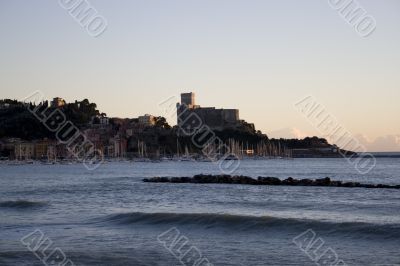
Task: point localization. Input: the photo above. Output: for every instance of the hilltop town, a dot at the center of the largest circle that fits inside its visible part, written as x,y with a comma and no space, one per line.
147,137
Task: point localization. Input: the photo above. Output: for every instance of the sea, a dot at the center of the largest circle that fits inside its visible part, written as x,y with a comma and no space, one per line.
67,215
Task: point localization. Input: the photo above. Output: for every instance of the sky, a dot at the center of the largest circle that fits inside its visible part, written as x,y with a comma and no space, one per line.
258,56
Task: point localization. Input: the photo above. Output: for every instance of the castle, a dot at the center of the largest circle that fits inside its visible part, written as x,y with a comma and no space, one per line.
217,119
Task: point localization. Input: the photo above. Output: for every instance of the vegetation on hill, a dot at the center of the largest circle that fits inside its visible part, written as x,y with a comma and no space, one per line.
17,121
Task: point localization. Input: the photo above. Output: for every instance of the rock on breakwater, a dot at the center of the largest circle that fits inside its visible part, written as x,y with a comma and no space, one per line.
270,181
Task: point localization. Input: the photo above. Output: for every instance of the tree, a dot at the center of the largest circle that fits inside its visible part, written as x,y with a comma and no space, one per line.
162,122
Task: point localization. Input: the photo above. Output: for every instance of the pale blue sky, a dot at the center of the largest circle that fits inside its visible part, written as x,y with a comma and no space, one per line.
258,56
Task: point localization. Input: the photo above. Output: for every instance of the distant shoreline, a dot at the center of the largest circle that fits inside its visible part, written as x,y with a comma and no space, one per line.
386,154
5,161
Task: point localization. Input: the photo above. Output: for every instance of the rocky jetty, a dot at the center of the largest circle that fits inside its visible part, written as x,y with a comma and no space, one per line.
269,181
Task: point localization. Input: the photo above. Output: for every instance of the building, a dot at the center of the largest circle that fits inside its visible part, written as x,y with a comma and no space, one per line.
57,102
4,105
99,121
104,120
7,147
41,149
147,120
189,114
189,99
120,146
24,150
99,137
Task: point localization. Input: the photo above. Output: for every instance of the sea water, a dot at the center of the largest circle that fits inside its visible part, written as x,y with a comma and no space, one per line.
110,217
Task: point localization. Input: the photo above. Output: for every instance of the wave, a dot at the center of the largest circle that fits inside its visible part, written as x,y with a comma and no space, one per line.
21,204
248,223
137,257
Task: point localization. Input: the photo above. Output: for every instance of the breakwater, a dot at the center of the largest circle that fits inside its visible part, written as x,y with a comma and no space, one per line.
270,181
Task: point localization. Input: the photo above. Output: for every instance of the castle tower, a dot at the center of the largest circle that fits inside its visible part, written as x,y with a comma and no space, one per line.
188,99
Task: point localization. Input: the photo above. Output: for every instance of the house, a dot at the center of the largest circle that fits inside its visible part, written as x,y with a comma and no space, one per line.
147,120
57,102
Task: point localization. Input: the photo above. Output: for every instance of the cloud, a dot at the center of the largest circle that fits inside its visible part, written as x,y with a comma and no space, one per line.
289,133
389,143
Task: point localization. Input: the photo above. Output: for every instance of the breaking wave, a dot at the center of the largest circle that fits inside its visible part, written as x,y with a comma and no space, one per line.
248,223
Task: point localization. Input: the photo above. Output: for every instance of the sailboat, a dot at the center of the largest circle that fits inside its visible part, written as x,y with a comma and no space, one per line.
142,152
186,157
